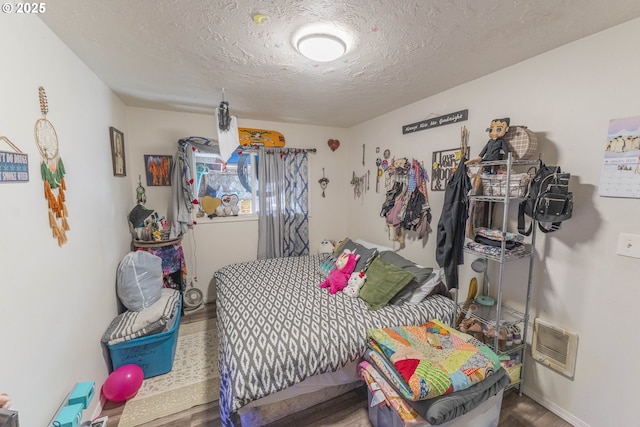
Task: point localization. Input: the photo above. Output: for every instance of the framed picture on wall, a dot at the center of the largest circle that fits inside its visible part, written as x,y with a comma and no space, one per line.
117,152
158,169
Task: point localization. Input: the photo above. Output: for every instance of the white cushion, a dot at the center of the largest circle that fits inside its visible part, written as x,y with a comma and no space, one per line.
425,288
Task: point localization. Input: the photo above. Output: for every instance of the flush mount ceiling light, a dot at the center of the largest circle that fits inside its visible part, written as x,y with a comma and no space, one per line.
321,47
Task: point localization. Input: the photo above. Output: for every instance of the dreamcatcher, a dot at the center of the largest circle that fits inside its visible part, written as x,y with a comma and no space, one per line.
141,196
52,170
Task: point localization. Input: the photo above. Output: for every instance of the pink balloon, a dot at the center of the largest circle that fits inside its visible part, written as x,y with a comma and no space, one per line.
123,383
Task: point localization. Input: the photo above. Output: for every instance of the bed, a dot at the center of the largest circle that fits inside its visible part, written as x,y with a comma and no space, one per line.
278,329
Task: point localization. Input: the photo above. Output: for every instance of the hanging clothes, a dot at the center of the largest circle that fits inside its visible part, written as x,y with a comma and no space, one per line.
417,215
406,206
394,217
424,222
182,179
390,198
414,210
451,226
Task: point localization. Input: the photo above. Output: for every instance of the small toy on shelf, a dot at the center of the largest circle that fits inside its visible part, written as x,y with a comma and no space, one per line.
229,205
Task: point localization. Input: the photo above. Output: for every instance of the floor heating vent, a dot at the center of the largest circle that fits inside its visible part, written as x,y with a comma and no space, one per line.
554,347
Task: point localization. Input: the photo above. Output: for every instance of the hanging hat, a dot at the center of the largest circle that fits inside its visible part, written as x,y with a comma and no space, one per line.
138,215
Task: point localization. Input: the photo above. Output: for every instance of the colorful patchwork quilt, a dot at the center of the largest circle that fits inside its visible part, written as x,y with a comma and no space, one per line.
430,360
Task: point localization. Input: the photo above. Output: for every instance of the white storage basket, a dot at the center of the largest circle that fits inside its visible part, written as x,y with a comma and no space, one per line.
496,184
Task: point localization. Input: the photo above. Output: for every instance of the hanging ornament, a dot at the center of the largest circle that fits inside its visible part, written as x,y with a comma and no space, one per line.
224,118
360,184
333,144
52,170
323,182
141,197
378,173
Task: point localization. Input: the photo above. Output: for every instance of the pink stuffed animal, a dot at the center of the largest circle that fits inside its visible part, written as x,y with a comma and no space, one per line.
339,276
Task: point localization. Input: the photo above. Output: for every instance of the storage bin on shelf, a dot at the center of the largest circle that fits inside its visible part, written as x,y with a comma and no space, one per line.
479,321
514,372
496,184
153,353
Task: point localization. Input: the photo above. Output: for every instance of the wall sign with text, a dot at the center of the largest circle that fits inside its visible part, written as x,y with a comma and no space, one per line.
442,167
14,167
447,119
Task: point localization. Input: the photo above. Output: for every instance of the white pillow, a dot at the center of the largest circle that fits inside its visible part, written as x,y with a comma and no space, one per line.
370,245
424,289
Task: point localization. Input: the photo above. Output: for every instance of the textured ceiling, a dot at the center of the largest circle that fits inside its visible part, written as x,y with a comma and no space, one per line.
180,54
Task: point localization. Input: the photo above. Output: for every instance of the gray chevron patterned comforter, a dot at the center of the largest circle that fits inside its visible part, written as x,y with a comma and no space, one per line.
277,327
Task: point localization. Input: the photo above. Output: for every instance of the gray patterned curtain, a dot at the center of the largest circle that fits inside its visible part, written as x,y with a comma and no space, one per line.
283,214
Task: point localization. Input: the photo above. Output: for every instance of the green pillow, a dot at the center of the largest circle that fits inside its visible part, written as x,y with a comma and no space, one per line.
366,255
421,273
338,249
384,280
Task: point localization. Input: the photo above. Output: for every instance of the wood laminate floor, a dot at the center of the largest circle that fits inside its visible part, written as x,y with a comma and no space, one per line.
348,410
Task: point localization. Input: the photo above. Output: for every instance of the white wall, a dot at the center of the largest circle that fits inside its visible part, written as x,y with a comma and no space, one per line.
221,241
566,96
55,302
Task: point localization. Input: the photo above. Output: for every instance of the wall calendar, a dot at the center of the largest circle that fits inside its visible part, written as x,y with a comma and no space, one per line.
621,167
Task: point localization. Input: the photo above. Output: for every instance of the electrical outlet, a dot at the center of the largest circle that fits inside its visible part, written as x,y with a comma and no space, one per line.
629,245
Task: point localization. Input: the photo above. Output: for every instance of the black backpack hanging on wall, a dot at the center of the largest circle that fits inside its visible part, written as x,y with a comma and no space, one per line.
549,201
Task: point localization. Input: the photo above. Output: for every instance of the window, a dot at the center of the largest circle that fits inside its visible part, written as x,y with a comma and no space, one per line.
215,178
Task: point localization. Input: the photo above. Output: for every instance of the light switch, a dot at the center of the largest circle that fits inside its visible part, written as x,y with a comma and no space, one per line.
629,245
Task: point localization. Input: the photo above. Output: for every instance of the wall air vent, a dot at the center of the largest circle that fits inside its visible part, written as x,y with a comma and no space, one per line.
554,347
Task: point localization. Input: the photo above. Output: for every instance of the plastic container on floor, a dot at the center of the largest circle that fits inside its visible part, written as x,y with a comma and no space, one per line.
487,414
153,353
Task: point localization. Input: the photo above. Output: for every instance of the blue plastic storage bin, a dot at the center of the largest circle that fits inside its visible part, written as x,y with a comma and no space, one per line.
153,353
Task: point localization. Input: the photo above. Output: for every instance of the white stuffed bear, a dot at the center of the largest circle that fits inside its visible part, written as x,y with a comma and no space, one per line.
356,281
